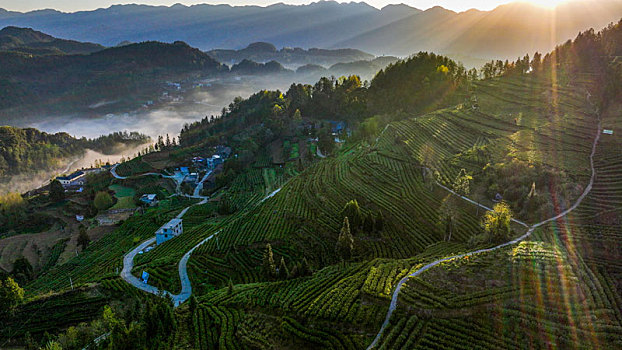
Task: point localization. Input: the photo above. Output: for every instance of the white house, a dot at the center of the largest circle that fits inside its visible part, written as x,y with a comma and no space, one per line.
76,178
149,199
171,229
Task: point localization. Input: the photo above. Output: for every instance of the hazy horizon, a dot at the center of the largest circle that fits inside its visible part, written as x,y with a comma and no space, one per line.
89,5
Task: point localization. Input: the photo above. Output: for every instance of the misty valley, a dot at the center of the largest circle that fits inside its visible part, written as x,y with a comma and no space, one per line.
83,99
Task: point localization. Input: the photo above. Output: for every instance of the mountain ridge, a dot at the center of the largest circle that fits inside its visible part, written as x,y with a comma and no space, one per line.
265,52
397,30
28,40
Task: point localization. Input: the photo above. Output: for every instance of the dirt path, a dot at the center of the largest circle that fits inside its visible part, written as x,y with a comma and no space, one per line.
587,190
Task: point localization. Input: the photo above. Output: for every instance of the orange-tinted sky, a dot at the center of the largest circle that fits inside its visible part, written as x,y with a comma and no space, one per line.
75,5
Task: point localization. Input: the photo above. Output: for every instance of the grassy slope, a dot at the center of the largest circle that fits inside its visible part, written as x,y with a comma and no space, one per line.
124,195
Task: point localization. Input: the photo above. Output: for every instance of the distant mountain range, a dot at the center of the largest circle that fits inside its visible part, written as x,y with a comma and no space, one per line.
505,32
509,31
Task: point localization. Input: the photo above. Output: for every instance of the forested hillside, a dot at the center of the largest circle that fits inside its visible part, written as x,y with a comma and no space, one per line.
61,83
33,42
292,247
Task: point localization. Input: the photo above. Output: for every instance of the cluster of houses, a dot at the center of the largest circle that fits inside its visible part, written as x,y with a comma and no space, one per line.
222,153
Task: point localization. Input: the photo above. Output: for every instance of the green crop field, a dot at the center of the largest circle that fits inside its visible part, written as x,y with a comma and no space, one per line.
124,195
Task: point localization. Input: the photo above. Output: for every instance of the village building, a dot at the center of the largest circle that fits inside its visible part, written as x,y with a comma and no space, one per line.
145,277
76,179
193,177
169,230
337,127
214,160
149,199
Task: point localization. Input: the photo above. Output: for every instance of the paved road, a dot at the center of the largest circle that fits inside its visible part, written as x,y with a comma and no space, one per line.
271,194
128,259
197,190
587,190
319,153
186,286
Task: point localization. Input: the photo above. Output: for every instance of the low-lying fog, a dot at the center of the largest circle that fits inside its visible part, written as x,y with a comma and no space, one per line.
159,119
26,182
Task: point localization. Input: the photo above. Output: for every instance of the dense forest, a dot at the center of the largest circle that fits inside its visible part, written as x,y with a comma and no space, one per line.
345,99
591,51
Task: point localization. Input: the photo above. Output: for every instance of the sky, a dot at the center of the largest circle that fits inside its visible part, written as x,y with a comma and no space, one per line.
74,5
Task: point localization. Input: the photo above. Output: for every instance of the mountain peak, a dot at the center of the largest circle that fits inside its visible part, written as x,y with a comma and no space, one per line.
261,47
27,35
438,9
395,8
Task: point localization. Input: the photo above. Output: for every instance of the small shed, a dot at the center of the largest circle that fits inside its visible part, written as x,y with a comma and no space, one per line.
145,277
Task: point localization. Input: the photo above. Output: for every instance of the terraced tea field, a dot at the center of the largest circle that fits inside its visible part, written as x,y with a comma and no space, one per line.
494,300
